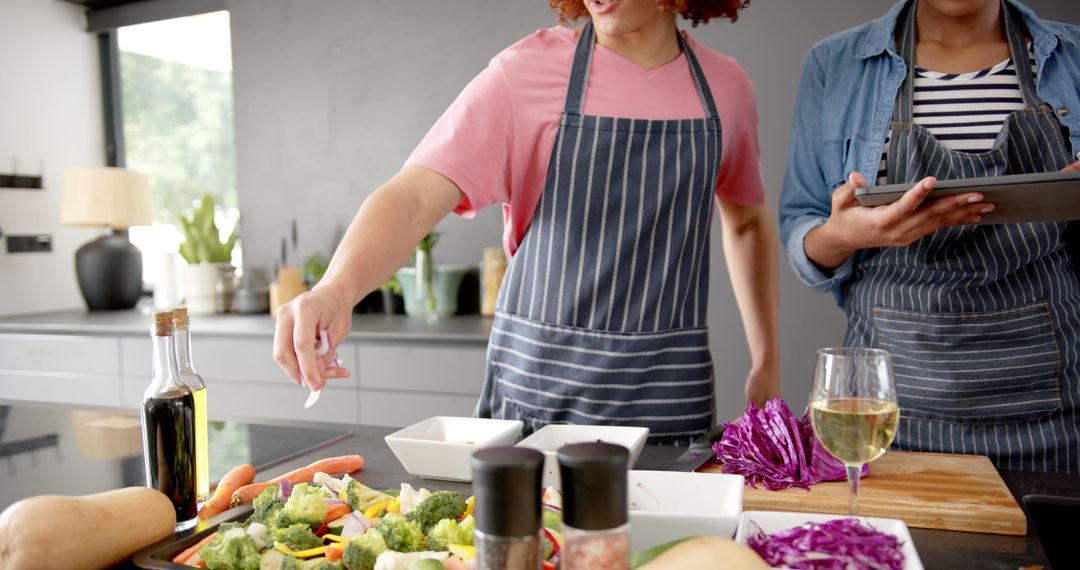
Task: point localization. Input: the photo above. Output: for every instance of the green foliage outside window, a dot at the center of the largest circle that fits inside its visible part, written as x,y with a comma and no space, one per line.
178,129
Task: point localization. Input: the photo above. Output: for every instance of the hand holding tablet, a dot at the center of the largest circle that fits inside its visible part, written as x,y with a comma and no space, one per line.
1047,197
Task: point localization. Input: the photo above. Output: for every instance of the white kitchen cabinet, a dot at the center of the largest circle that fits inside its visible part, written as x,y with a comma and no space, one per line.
403,370
60,353
226,359
399,409
423,368
60,388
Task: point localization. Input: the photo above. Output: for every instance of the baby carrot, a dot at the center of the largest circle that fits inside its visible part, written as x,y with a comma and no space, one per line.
238,477
336,511
190,551
343,464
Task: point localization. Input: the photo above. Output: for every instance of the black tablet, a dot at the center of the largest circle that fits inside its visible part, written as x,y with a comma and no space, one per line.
1048,197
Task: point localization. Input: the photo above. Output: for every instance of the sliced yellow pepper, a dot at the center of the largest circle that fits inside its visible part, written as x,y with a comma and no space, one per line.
394,506
309,553
374,510
335,538
470,506
344,495
465,551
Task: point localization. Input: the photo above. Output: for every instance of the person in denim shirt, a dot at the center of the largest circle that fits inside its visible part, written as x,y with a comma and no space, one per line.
983,321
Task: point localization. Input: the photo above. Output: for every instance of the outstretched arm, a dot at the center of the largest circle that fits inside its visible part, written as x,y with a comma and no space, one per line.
379,240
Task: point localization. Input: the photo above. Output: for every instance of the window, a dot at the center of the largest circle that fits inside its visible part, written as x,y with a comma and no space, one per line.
176,98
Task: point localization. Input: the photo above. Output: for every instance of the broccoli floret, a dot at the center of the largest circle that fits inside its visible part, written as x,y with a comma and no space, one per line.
274,560
449,531
296,537
440,505
361,552
400,534
267,504
362,497
320,564
231,550
306,505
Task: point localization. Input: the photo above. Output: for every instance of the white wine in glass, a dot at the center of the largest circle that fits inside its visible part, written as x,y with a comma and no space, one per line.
853,408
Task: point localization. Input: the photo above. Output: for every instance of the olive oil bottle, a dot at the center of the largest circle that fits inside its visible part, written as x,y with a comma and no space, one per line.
168,422
192,380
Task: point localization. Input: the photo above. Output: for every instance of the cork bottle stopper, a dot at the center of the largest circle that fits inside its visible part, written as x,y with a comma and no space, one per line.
163,323
181,318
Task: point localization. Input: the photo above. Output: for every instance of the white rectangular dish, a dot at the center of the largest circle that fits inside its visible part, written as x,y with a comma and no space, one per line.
773,522
441,447
550,438
668,505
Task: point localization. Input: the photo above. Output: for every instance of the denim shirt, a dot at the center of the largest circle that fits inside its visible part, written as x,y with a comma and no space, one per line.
844,108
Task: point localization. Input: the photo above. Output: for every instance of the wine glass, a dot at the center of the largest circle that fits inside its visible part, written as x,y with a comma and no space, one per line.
853,408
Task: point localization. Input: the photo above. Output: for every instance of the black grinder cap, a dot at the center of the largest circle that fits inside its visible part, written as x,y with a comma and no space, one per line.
507,485
594,485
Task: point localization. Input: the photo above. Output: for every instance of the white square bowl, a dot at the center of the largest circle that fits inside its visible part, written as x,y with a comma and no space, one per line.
773,522
668,505
441,447
550,438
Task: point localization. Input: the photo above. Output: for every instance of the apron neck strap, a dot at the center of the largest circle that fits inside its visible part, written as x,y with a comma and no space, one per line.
1017,48
579,74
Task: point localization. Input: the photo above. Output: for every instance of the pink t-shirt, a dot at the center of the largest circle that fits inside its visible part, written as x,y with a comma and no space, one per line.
495,139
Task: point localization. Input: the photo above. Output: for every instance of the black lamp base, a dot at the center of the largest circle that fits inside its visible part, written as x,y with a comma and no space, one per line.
109,270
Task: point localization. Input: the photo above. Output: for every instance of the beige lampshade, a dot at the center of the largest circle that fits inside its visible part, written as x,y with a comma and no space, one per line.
106,196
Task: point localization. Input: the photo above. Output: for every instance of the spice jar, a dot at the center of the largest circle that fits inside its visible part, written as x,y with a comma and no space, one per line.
492,270
506,483
596,528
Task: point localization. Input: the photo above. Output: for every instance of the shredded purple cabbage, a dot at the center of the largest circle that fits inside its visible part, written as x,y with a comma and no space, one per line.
838,544
773,448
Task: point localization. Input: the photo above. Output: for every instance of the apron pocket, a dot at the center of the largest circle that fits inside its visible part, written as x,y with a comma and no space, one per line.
559,374
974,368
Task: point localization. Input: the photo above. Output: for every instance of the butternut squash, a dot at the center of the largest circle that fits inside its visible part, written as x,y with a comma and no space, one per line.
706,553
92,531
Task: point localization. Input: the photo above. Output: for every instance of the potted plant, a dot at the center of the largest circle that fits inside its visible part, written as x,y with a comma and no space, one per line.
208,259
430,289
315,267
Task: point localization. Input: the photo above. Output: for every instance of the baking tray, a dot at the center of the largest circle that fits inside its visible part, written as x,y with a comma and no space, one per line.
158,556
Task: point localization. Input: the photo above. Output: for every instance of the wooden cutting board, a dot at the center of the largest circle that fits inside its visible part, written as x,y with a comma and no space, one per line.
925,490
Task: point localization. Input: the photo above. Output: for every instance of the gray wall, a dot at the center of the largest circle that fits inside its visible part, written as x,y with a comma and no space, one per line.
332,96
50,113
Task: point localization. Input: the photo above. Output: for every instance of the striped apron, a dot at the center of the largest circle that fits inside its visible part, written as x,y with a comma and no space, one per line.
982,321
601,315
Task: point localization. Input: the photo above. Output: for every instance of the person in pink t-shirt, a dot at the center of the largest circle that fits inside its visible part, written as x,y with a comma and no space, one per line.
606,145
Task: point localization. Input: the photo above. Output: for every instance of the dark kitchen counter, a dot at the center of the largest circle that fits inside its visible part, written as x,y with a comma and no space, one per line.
92,450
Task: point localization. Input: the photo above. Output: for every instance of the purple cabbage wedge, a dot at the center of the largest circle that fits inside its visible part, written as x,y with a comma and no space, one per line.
773,448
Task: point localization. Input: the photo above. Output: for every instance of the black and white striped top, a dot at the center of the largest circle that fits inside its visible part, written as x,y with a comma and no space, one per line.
965,111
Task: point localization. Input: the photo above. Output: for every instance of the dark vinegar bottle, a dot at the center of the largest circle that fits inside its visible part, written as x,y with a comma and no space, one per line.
168,421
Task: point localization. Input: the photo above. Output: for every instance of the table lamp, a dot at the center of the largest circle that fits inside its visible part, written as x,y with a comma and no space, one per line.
109,268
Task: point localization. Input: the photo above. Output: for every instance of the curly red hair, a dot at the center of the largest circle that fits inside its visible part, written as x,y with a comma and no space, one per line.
697,11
